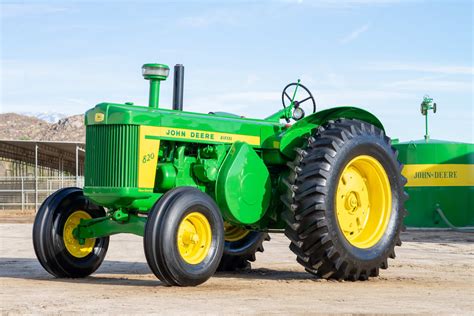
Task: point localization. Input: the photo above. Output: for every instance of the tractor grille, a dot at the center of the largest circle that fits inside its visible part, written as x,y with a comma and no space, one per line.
111,155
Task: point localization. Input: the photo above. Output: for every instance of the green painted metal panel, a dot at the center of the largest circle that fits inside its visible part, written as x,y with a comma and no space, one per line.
435,151
243,187
111,156
440,177
140,115
295,136
111,164
456,203
106,226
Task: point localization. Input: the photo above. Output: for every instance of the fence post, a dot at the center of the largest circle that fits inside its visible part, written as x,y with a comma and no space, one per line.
62,173
22,194
77,166
36,177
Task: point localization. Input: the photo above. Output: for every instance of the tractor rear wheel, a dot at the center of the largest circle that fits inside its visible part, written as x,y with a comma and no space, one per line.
184,237
56,247
240,248
345,201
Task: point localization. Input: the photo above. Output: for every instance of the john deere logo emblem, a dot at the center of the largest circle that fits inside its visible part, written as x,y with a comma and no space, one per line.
99,117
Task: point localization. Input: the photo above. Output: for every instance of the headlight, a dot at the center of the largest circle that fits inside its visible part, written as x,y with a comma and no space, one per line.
298,114
155,71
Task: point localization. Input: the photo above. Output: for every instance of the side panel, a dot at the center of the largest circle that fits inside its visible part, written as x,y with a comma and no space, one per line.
294,137
440,177
243,187
198,127
147,159
200,136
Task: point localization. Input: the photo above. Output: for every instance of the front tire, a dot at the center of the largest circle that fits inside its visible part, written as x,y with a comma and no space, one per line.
56,248
345,201
184,237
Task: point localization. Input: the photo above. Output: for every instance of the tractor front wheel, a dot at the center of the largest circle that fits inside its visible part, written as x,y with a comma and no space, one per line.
184,237
346,201
57,249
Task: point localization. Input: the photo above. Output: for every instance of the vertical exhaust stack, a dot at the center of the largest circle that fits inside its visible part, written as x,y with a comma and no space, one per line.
178,86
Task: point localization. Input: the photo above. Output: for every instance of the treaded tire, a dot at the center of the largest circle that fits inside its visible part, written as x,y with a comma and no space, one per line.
312,224
238,254
48,235
160,240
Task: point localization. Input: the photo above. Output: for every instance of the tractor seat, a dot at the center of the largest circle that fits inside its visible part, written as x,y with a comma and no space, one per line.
226,114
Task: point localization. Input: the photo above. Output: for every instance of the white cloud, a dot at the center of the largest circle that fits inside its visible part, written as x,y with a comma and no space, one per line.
210,18
346,4
422,67
9,10
355,34
432,84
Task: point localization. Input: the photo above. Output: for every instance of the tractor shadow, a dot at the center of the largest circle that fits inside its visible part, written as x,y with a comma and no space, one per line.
128,273
267,274
110,273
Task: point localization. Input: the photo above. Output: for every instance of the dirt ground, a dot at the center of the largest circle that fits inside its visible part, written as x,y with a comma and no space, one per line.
433,273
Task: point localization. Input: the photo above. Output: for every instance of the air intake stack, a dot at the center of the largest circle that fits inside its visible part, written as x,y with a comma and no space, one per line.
155,73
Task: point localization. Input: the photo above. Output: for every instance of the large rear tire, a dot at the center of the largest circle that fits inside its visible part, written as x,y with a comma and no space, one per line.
184,237
56,248
345,201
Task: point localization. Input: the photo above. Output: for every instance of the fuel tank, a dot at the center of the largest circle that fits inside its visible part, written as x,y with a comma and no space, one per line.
440,184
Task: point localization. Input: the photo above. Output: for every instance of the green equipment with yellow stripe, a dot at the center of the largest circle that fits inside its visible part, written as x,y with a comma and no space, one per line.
205,190
440,178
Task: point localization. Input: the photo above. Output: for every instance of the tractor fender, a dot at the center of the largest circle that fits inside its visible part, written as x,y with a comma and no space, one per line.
295,135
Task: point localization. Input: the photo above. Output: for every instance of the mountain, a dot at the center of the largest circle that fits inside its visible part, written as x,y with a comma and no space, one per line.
14,126
50,117
67,129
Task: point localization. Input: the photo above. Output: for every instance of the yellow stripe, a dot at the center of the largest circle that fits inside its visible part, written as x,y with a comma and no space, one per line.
147,158
206,136
439,175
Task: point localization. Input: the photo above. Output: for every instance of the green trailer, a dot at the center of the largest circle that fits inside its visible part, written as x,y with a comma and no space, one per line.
440,178
205,190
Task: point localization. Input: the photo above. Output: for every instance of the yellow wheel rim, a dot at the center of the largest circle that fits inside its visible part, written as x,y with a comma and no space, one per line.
194,238
363,201
234,233
72,244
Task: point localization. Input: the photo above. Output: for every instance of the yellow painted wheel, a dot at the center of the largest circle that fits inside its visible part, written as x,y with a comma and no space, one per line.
194,238
70,242
363,201
234,233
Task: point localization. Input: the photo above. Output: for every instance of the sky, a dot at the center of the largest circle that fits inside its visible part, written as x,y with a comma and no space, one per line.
379,55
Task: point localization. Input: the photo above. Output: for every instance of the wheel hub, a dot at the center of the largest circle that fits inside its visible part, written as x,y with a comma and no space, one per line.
190,238
194,238
363,201
352,202
71,242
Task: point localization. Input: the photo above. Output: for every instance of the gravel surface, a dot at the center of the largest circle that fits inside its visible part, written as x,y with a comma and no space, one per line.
433,273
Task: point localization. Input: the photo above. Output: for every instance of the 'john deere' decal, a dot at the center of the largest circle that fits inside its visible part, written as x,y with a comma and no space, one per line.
198,135
439,175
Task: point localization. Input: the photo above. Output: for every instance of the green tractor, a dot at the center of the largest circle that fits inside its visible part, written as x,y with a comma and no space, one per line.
205,190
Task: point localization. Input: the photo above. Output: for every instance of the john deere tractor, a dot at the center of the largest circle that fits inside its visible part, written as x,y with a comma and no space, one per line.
204,190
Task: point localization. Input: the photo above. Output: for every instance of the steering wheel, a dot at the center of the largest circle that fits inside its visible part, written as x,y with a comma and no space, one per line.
288,97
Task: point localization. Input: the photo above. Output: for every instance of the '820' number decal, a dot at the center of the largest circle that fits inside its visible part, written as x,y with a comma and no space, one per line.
148,157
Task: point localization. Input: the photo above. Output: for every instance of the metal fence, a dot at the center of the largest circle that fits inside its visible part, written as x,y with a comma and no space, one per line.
27,193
